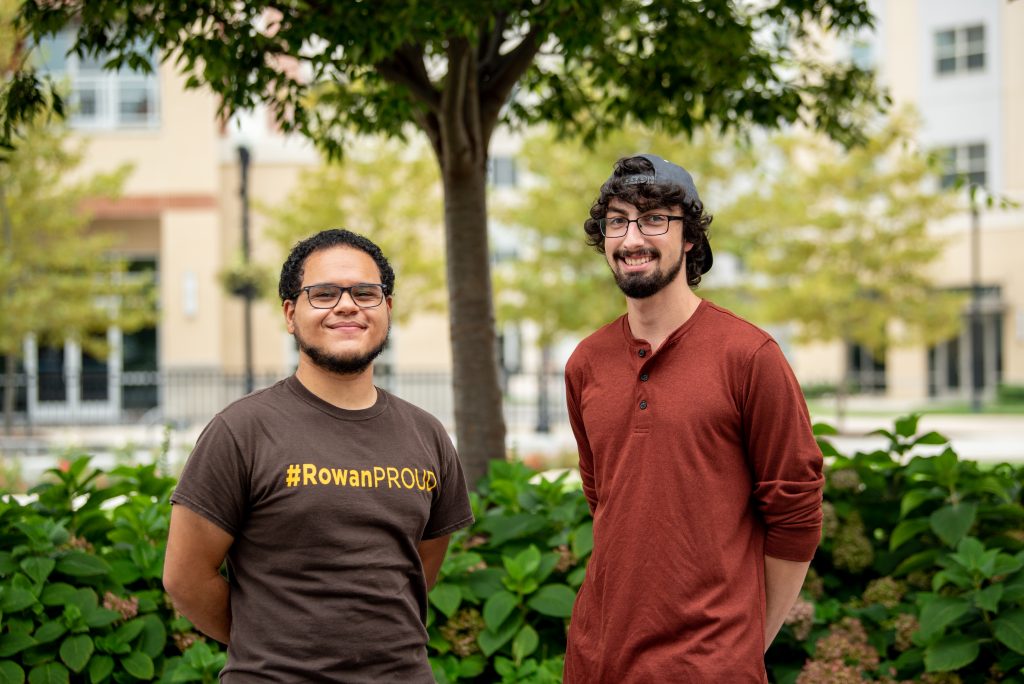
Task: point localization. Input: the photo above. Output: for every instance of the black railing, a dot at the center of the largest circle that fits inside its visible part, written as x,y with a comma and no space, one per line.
189,397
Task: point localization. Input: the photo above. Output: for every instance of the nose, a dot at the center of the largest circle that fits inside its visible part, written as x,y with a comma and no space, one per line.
346,303
633,236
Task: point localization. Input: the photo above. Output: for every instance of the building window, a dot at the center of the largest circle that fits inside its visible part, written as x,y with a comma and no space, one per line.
99,99
960,50
963,161
501,172
867,373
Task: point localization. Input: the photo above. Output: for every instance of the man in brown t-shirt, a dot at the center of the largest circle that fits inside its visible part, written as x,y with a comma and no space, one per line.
696,455
331,500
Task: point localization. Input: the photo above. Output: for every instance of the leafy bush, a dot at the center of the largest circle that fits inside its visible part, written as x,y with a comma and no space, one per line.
500,609
919,574
80,589
1010,394
919,577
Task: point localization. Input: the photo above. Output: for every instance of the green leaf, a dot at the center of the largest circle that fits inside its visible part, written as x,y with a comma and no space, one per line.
951,523
50,631
916,497
138,665
491,640
100,667
576,577
525,643
988,598
100,617
932,438
907,530
503,528
154,636
497,608
939,612
50,673
473,666
907,425
129,630
11,672
922,559
950,653
56,594
81,564
37,568
1014,588
524,564
8,566
16,598
446,598
583,540
14,642
485,582
76,651
823,429
1009,629
555,600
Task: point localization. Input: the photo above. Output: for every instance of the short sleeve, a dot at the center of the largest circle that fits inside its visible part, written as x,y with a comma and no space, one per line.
450,509
215,482
784,456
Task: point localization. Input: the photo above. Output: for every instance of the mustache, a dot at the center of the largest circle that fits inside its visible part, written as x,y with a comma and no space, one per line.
644,251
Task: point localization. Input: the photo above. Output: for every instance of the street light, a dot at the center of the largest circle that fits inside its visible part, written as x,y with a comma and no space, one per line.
977,333
244,158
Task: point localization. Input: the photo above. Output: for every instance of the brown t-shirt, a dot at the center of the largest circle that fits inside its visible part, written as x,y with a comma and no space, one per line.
698,460
326,507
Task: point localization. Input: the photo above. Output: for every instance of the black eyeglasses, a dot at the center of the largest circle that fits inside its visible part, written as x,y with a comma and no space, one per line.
327,296
652,224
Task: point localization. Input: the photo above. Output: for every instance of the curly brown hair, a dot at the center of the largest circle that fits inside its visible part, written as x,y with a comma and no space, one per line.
646,196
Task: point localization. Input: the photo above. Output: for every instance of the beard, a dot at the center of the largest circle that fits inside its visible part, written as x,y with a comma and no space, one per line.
640,285
351,364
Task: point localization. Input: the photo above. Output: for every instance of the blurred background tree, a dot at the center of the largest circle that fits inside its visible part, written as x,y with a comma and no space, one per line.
389,192
834,241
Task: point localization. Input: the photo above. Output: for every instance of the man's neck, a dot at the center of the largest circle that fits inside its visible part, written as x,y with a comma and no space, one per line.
351,392
654,318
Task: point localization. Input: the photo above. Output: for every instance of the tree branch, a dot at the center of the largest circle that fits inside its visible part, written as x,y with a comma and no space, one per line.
489,48
406,68
453,124
510,68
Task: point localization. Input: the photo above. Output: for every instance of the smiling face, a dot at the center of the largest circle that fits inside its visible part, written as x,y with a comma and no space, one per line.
644,265
344,339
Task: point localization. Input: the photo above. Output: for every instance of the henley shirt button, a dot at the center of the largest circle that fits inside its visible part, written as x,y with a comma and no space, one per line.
642,353
643,377
643,405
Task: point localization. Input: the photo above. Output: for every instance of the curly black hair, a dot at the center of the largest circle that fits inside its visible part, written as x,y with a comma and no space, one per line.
646,196
292,270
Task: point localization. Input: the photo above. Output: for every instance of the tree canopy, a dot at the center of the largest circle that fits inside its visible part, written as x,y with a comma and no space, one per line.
455,71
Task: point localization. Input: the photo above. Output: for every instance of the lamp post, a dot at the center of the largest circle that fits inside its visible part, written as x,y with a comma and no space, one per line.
244,159
977,332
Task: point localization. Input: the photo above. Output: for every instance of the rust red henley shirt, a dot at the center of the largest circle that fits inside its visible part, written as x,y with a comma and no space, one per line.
697,460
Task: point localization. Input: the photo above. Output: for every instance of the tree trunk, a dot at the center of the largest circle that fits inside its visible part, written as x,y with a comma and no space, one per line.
9,393
479,423
9,357
843,389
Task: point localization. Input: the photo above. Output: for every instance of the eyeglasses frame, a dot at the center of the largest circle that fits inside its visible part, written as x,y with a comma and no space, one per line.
307,288
601,225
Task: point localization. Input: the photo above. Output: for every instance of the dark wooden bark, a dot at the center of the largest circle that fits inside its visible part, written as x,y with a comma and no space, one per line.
458,115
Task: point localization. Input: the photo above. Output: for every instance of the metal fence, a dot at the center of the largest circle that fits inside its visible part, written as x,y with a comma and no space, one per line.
189,397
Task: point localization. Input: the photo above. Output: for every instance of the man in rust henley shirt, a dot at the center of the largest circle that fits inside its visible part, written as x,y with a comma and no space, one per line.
696,455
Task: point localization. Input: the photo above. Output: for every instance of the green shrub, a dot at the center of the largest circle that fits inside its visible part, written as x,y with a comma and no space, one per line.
919,577
80,589
501,606
919,574
1010,394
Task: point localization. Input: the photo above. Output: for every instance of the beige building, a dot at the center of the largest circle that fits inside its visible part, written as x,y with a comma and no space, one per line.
180,216
961,65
